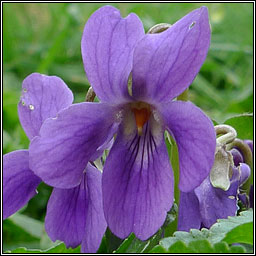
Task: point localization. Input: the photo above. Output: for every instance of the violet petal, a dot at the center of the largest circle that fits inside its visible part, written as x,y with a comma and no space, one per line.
107,49
42,97
216,203
237,156
75,215
189,214
95,224
245,172
165,64
137,182
19,182
67,142
195,136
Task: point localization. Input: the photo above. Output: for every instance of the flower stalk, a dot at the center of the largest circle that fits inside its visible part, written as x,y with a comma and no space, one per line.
229,134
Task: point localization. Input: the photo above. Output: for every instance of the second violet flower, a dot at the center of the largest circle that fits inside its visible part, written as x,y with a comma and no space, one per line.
137,178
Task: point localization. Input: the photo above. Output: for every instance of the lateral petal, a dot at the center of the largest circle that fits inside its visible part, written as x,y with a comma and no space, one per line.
19,182
66,143
196,139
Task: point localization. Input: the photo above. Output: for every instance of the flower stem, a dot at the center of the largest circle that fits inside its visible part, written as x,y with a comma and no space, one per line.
229,134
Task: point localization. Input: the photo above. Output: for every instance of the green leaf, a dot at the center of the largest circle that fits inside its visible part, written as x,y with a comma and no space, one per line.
14,236
30,225
158,249
243,124
219,230
60,248
241,234
174,158
223,230
24,250
125,244
179,247
199,246
134,245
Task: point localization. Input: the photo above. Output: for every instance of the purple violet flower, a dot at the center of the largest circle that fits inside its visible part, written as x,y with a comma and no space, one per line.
137,180
205,204
75,222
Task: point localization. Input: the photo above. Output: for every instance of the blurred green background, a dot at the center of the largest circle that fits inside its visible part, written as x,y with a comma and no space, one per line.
45,38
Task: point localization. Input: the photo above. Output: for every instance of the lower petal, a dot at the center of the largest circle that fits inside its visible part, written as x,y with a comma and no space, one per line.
137,183
76,215
189,214
19,182
67,142
195,136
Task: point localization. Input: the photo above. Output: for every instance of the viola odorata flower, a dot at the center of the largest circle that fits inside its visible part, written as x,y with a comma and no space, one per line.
137,180
42,97
75,215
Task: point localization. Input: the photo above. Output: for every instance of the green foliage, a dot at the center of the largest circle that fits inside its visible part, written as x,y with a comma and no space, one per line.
31,226
134,245
60,248
243,124
241,234
237,229
200,246
15,236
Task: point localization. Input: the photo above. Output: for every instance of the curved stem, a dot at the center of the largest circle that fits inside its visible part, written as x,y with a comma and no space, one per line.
229,134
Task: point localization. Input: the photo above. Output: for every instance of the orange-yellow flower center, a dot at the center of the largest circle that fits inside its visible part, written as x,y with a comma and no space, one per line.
142,113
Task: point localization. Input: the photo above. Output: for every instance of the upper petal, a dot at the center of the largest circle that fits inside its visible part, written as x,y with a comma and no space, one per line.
165,64
74,215
195,136
107,48
67,142
137,182
19,182
42,97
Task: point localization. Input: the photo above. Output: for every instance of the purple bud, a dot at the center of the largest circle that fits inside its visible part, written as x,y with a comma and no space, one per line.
245,171
250,144
237,156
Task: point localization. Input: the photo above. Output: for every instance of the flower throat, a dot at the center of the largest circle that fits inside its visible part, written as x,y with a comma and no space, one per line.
142,114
